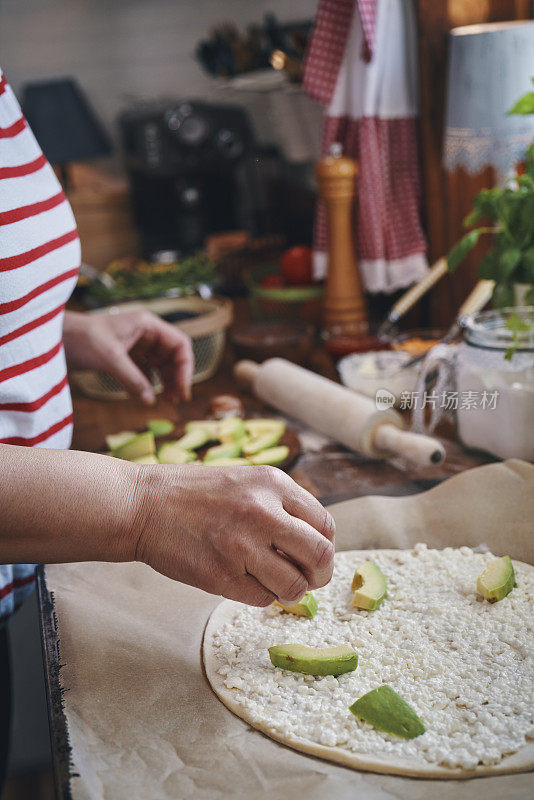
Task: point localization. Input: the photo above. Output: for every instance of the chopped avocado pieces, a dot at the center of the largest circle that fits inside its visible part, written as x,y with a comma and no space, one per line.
194,439
497,580
314,661
115,440
225,450
389,712
262,442
272,457
229,462
369,586
307,607
210,426
138,446
160,427
231,429
172,453
237,442
259,426
146,460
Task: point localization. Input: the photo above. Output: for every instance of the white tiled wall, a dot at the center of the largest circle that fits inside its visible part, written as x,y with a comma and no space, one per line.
123,50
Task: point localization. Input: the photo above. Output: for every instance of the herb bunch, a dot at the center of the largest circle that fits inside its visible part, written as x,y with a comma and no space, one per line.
511,212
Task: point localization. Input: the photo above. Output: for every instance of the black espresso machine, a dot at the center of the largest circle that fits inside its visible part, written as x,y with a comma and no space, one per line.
192,168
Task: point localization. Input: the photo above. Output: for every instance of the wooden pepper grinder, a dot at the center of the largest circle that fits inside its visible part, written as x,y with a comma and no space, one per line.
344,307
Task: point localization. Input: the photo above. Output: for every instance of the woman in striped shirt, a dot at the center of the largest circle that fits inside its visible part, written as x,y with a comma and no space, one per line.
221,529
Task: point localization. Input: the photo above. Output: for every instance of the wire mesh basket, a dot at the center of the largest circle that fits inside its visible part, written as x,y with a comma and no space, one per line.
204,321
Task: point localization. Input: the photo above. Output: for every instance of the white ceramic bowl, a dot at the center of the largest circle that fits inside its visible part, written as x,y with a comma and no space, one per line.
368,372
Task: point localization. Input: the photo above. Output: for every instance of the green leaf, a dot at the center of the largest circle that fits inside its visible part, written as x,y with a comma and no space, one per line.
484,205
464,246
488,269
525,105
473,217
526,219
503,295
530,161
527,266
516,323
508,260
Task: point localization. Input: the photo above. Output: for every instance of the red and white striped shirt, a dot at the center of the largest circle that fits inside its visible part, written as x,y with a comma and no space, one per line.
39,262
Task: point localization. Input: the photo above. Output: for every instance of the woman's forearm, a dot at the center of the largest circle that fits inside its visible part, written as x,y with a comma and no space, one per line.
59,506
248,533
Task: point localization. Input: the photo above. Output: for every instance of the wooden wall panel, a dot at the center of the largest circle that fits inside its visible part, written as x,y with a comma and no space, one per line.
447,197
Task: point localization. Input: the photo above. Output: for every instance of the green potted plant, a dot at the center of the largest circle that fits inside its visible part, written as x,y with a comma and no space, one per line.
511,210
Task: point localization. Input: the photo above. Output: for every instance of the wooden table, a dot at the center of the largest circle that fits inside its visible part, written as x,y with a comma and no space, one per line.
326,469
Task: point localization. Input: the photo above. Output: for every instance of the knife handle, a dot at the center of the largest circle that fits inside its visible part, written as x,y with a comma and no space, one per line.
409,298
476,300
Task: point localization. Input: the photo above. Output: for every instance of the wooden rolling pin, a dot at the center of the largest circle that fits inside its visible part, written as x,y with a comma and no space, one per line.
340,413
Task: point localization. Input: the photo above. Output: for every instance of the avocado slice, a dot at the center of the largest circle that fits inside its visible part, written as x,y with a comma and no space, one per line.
172,453
263,442
314,660
146,460
271,457
497,580
229,462
389,712
307,607
225,450
194,439
369,586
115,440
259,426
210,426
160,427
138,446
231,429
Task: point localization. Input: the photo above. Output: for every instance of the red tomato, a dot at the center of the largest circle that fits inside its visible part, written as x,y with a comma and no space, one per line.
296,265
272,282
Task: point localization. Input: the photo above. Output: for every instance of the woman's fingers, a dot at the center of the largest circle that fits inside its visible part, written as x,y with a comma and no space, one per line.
303,505
310,551
278,575
131,377
175,354
247,589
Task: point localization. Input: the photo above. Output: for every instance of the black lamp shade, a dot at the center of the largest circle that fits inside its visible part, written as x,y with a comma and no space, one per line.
63,122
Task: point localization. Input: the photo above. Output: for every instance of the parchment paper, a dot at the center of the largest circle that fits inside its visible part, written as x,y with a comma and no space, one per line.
143,722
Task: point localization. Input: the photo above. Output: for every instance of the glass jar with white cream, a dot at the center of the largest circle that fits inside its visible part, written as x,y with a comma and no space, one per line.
496,394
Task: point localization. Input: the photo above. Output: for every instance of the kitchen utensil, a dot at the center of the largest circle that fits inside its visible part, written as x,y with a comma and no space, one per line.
409,298
474,302
344,415
344,309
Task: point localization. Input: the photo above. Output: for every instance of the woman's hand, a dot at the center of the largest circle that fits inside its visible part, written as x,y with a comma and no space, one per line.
248,533
122,343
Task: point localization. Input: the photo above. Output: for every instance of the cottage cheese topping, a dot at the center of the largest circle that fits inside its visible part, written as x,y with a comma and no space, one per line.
464,665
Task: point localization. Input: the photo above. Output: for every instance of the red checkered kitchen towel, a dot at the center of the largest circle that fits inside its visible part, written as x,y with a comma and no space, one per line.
363,67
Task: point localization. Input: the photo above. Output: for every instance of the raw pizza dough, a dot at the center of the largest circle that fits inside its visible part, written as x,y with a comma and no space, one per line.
519,761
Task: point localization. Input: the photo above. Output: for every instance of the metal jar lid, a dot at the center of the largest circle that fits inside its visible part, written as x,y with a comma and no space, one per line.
488,330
